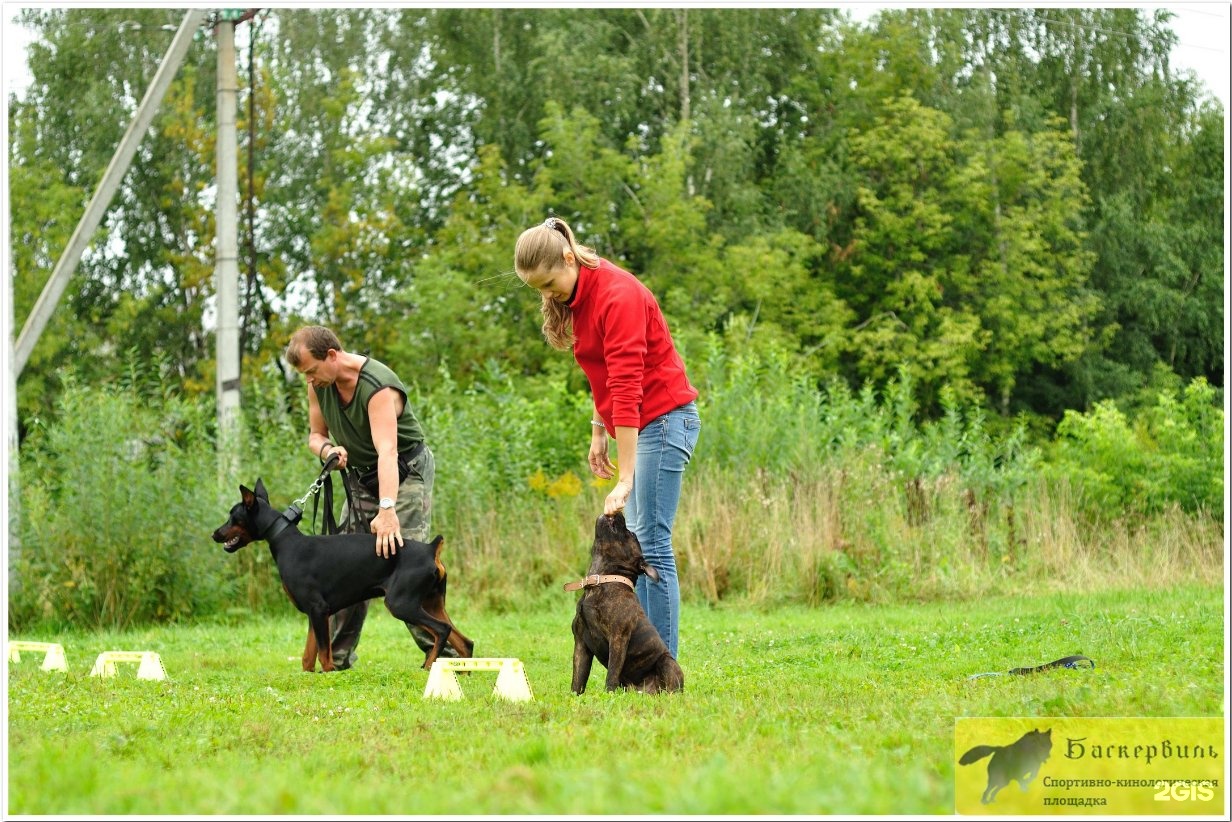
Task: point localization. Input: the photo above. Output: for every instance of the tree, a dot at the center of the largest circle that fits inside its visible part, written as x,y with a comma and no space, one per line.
140,284
968,264
857,195
1134,121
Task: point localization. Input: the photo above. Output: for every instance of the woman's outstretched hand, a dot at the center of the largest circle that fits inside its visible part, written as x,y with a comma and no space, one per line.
617,499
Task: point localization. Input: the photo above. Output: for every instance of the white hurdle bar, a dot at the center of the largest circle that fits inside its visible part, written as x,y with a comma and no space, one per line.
150,665
53,653
511,682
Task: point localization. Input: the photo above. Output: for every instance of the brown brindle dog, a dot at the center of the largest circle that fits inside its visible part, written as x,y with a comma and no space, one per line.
610,623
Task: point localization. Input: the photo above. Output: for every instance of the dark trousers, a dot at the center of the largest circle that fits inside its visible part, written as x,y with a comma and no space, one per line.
346,625
344,629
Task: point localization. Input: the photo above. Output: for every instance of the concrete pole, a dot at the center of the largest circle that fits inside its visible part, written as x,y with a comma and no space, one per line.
10,505
226,261
63,272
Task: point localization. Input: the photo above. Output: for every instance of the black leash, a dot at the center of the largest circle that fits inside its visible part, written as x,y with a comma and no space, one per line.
1073,662
295,511
323,480
324,486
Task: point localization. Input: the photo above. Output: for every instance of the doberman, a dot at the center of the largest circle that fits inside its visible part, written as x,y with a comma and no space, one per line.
610,623
324,574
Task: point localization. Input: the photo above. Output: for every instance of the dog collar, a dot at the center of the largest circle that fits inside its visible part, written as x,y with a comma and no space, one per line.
286,519
597,579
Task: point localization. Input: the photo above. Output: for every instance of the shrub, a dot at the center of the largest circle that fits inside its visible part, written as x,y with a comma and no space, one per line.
794,495
114,492
495,439
1171,453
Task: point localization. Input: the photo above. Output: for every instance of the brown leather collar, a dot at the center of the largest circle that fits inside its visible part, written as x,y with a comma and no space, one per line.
597,579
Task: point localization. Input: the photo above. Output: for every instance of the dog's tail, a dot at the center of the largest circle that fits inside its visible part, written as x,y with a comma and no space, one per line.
977,753
438,545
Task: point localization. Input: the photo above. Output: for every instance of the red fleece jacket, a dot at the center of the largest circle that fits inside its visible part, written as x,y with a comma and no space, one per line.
622,343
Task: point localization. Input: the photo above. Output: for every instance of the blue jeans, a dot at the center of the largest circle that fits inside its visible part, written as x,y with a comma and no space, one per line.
664,448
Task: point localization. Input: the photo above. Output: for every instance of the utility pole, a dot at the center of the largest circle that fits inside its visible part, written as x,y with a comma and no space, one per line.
226,259
11,503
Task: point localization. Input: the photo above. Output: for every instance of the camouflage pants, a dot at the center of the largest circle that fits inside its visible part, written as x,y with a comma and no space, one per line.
414,508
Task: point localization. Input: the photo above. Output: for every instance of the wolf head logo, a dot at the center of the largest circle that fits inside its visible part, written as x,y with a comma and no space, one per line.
1020,761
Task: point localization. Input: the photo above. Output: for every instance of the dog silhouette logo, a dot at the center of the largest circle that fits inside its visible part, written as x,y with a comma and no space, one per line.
1020,761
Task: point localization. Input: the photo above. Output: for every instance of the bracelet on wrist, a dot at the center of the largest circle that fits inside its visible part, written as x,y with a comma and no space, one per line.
321,452
598,425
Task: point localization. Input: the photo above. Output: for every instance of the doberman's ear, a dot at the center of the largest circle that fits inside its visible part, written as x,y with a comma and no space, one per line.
248,497
261,493
649,570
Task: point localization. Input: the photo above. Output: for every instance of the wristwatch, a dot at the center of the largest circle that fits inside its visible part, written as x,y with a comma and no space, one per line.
386,502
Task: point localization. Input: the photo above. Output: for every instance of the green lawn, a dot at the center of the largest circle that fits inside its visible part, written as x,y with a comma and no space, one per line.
839,709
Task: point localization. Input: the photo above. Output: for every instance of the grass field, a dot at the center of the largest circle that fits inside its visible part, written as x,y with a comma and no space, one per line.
838,709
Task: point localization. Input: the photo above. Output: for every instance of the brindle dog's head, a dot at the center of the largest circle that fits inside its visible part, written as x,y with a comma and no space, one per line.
616,549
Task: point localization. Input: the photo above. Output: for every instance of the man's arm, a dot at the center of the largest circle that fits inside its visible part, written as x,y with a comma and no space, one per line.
383,410
318,431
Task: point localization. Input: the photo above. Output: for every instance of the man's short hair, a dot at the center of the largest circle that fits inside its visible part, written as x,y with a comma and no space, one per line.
317,340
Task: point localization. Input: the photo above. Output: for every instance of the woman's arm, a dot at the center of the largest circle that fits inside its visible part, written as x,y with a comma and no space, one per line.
626,451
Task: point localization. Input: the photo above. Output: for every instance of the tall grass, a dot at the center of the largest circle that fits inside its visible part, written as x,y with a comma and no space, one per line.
819,540
795,495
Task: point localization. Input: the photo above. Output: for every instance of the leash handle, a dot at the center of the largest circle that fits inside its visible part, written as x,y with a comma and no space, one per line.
329,524
1071,662
1076,661
355,511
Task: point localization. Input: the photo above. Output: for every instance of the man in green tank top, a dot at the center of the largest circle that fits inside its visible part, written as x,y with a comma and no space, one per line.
358,410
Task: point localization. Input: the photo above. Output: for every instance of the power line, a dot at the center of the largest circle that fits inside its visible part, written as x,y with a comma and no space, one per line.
1192,8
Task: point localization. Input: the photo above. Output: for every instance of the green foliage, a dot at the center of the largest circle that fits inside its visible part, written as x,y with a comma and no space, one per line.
491,438
144,281
41,205
464,306
1145,141
997,199
758,410
968,266
115,493
1170,453
896,206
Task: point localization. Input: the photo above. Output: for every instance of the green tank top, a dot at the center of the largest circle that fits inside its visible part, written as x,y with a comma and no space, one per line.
348,422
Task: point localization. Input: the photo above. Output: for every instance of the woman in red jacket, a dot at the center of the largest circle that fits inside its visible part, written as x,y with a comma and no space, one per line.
642,396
